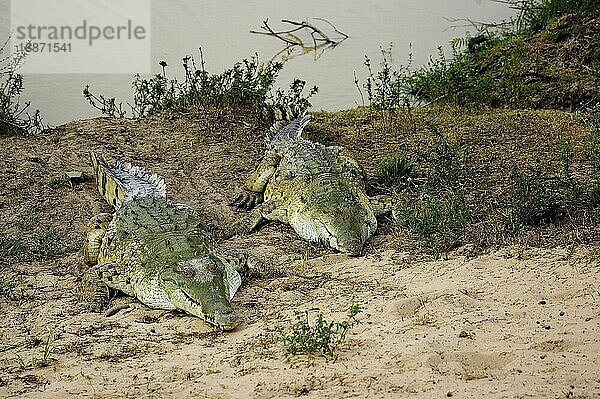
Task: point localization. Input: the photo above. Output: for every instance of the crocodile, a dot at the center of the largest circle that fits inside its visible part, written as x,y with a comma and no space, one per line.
318,190
159,252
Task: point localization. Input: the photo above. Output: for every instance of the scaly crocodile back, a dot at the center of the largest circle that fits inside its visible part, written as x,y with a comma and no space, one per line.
289,128
123,182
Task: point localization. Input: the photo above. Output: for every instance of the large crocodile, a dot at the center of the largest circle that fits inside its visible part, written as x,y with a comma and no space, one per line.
157,251
318,190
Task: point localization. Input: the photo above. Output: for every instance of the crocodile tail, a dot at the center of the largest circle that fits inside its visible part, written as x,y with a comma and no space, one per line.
289,126
123,181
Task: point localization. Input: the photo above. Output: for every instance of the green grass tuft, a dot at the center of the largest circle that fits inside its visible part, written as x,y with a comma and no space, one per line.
11,247
438,221
45,359
49,242
396,168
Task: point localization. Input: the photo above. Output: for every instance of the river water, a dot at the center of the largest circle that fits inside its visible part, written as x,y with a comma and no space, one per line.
222,30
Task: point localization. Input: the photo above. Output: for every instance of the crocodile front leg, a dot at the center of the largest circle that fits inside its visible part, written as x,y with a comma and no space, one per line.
265,211
238,265
344,153
252,194
111,274
96,230
242,261
93,291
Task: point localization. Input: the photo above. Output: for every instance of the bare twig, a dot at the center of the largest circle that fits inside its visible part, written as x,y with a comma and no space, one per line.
313,30
333,27
320,40
281,35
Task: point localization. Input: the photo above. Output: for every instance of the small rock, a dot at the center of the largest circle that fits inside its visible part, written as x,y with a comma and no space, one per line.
466,334
75,177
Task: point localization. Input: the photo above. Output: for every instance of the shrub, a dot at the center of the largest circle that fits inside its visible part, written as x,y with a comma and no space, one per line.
14,116
322,336
247,84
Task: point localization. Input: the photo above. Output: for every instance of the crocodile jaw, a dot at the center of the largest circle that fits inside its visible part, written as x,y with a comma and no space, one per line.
221,316
345,230
198,287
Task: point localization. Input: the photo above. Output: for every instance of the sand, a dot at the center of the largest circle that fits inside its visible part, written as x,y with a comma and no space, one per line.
509,322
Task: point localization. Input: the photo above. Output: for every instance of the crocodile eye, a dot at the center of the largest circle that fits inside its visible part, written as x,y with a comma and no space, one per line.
211,267
188,272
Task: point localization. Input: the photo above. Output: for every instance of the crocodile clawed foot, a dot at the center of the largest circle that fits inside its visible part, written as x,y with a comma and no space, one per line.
236,230
247,200
93,293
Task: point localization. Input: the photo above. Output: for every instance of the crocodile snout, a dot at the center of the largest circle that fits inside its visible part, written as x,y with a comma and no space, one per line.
351,248
227,320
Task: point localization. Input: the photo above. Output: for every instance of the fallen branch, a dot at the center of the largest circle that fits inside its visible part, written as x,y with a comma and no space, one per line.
292,38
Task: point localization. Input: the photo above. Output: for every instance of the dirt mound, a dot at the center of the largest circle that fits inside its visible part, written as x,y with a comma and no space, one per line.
512,322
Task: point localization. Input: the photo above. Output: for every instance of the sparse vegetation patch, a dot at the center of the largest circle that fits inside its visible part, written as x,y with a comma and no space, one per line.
321,335
247,84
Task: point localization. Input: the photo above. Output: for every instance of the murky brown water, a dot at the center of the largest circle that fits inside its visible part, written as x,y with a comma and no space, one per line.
222,30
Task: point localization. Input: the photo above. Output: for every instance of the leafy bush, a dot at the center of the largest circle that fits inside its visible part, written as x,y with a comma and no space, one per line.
247,84
387,88
14,116
534,15
501,65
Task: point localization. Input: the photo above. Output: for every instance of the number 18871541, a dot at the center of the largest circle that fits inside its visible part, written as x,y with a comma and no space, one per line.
43,47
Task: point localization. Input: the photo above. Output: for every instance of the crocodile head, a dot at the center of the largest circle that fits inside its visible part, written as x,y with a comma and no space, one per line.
343,222
199,287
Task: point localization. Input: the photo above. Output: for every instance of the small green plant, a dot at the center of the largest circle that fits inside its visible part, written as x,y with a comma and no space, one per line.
387,89
9,287
294,97
28,221
565,155
48,347
46,356
107,106
444,158
535,200
321,336
437,220
592,143
10,247
54,182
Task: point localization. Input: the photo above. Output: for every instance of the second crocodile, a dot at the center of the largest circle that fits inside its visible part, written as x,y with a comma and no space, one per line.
318,190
